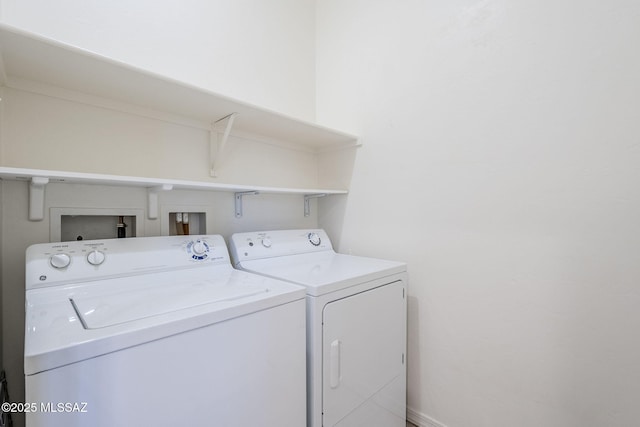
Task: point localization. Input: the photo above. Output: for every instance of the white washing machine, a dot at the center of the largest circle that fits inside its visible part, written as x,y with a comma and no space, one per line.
356,324
159,331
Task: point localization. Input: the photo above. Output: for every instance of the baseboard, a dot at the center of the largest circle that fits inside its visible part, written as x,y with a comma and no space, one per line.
422,420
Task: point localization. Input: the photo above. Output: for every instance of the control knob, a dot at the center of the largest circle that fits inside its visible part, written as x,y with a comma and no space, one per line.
266,242
314,238
95,257
199,248
60,260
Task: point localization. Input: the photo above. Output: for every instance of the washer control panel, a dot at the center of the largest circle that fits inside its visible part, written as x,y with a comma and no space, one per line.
49,264
267,244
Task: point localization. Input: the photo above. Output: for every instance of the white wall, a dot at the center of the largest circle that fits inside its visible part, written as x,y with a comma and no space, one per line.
501,144
256,51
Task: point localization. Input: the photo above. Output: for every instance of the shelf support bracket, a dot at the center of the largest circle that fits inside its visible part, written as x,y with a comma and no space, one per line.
36,197
307,204
239,196
152,199
222,142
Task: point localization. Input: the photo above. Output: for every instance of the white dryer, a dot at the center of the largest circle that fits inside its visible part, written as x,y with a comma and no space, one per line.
159,331
356,324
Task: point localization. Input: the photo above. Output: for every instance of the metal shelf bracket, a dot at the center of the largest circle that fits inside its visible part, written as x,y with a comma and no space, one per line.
216,154
238,197
307,197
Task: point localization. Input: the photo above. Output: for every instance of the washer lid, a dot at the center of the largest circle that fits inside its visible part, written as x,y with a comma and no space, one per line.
123,303
128,311
324,272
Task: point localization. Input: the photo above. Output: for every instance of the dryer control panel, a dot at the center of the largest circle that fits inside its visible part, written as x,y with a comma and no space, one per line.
267,244
48,264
